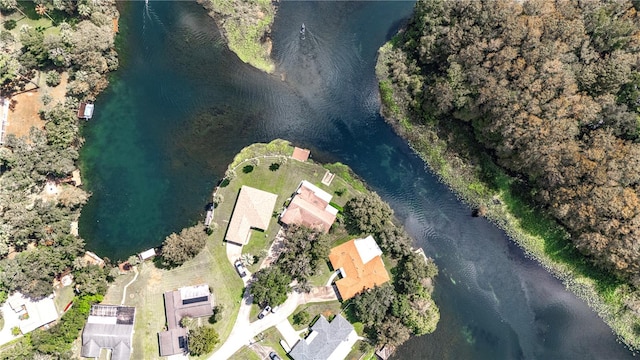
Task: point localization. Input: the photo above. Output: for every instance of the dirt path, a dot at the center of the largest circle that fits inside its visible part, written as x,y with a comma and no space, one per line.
124,292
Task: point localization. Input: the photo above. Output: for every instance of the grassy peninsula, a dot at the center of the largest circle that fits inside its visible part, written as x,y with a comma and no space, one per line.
387,314
246,26
531,122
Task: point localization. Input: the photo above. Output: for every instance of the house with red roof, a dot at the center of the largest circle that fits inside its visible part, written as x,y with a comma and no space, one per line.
310,207
360,264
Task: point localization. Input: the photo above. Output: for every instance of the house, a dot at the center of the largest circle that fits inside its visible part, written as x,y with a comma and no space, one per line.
32,314
360,265
191,301
253,210
108,327
310,207
85,111
326,340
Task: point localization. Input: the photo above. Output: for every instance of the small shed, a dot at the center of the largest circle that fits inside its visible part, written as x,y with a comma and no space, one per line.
147,254
301,154
85,111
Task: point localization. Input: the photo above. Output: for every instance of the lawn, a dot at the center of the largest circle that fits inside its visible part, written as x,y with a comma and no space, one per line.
146,294
328,309
63,296
283,182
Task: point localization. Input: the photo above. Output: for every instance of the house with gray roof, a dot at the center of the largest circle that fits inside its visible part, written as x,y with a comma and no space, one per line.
191,301
108,327
326,341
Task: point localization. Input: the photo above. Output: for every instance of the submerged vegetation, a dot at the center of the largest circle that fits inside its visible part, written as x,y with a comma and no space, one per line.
535,122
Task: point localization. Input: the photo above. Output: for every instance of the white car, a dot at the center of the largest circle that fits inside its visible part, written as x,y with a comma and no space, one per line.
264,312
240,268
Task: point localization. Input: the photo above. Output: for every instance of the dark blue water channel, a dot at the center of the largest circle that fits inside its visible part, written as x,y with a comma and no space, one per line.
182,105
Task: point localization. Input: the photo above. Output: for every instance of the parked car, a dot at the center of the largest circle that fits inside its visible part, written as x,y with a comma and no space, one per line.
240,268
274,356
264,312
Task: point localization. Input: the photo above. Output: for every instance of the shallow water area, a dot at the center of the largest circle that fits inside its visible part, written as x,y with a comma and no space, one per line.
182,105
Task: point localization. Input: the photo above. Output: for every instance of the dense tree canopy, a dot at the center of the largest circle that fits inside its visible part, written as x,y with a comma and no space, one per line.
270,287
304,250
202,340
178,248
551,89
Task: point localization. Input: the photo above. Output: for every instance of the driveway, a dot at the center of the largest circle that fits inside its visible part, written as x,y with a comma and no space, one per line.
290,335
244,330
11,320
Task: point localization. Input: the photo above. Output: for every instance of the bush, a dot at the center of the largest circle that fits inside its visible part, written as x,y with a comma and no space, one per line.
46,99
52,78
301,317
10,24
217,314
15,331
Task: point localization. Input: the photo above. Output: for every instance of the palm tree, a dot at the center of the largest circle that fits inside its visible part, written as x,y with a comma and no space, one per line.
42,10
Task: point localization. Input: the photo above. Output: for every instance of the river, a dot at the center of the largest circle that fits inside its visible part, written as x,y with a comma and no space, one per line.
182,105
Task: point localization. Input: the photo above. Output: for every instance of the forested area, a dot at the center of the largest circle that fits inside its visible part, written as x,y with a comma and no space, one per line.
37,202
551,91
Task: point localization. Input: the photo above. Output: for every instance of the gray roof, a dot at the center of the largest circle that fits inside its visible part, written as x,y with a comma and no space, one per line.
108,327
328,336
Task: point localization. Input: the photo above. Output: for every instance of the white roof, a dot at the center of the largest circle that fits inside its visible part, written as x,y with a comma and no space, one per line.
88,110
331,210
317,191
102,319
367,249
147,254
190,292
40,312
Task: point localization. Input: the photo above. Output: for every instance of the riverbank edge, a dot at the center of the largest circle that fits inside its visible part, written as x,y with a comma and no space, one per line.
461,176
251,44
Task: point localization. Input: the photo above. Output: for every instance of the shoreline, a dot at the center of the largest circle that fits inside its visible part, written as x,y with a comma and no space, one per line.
245,28
459,174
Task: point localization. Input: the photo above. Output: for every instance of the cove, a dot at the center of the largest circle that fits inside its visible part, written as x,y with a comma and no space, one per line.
182,105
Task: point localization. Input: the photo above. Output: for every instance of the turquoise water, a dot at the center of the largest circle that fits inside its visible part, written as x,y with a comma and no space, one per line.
182,105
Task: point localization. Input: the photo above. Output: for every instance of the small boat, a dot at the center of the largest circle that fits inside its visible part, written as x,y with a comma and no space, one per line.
303,31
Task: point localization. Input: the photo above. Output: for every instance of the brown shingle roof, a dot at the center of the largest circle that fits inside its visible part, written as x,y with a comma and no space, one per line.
253,209
192,301
358,276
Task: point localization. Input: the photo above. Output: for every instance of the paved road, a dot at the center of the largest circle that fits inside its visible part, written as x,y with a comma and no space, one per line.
244,330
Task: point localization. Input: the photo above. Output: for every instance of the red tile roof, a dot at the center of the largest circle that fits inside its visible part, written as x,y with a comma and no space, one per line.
358,276
301,154
309,208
